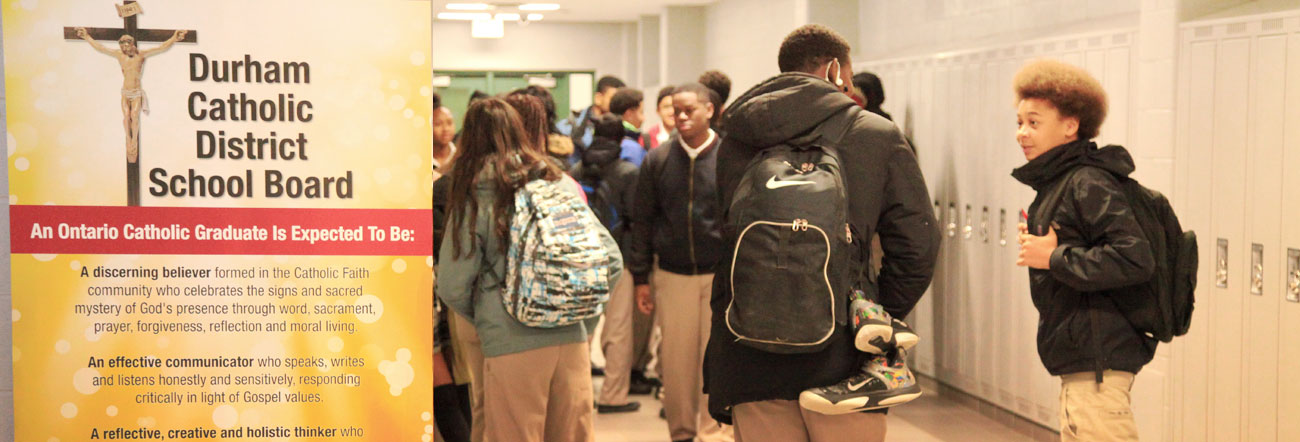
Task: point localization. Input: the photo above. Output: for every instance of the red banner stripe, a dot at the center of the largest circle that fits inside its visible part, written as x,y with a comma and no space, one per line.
219,231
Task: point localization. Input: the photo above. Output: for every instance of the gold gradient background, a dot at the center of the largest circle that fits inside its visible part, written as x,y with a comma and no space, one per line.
369,87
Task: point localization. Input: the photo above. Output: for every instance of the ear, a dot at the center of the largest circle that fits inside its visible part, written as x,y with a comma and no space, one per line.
709,106
1072,127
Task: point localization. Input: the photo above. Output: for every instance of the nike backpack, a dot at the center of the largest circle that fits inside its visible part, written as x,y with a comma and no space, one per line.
557,266
1160,308
794,259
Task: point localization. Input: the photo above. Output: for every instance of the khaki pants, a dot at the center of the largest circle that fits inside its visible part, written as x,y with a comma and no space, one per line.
1097,412
616,343
469,350
786,421
539,395
682,302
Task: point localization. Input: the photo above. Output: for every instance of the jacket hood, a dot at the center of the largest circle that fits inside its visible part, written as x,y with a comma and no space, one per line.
601,152
1052,164
782,108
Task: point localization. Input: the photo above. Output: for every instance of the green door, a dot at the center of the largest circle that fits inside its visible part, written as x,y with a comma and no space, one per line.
463,84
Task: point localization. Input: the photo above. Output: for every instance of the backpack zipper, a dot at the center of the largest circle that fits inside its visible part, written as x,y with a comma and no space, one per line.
795,225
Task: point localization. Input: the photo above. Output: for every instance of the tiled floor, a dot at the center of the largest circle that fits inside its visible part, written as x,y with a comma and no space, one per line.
931,417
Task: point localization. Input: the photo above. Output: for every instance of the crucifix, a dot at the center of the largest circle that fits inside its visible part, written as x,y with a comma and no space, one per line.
132,60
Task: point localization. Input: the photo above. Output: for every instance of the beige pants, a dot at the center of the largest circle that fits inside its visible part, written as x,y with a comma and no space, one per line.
1097,412
682,302
469,350
616,343
786,421
539,395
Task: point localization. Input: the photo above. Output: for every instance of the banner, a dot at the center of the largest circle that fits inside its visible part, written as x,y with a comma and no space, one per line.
220,219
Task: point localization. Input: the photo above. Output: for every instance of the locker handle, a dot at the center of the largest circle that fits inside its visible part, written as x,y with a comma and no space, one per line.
1221,272
969,228
1002,231
984,225
952,220
1257,269
1293,275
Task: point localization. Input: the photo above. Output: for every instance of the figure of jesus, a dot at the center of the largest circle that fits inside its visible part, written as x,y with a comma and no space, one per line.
133,98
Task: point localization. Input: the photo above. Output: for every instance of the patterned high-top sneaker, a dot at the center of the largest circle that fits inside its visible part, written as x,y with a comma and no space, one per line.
883,382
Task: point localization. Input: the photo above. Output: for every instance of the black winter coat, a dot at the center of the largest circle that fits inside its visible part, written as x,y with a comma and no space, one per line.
1101,247
886,195
674,216
601,164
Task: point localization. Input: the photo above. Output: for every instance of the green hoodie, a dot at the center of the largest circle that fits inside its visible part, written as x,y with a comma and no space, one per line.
471,284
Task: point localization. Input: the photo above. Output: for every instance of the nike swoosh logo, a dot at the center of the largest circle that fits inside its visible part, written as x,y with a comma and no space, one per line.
773,183
855,387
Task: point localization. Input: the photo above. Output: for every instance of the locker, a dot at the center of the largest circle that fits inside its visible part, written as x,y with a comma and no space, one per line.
1288,427
1199,130
1263,229
1116,79
1229,193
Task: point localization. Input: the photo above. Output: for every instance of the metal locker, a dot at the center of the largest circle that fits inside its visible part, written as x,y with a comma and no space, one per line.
1263,227
1288,330
1229,155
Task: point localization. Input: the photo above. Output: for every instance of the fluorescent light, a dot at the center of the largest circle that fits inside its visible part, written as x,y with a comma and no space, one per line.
469,6
488,29
539,7
508,16
464,16
534,17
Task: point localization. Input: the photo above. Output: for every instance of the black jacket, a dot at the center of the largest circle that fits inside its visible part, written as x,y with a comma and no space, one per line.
674,216
887,195
1100,248
601,164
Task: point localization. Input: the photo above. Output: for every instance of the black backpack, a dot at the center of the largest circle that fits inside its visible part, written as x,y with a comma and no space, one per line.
600,201
794,261
1162,307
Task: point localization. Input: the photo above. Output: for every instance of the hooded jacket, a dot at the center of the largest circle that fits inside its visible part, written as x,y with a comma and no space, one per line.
601,164
1100,247
886,195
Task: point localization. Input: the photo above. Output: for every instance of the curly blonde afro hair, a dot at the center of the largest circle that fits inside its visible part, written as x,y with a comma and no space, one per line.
1073,91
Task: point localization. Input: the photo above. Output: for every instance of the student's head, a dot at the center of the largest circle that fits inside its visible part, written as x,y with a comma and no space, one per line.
444,127
127,43
665,108
437,100
493,135
605,89
719,82
609,127
872,90
533,116
818,50
1057,103
476,96
548,102
693,108
626,103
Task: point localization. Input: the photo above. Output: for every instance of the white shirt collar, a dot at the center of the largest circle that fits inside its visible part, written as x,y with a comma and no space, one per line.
695,151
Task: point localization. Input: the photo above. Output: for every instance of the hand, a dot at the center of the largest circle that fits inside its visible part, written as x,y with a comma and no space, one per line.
644,302
1036,251
1022,228
81,32
180,35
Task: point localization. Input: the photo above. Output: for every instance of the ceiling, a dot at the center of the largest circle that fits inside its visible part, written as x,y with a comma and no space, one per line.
605,11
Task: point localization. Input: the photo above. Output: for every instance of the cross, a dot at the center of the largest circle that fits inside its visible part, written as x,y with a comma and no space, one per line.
128,12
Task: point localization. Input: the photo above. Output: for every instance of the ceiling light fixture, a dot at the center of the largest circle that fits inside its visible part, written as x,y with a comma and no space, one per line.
539,7
534,17
469,6
464,16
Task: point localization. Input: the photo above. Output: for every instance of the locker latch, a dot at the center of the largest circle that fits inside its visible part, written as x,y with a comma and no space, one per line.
1002,228
984,225
1257,269
1221,267
1293,275
952,220
969,229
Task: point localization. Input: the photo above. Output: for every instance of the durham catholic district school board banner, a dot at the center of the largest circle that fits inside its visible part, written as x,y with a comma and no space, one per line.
220,219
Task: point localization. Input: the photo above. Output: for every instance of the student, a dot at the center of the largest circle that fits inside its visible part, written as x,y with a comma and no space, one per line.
579,127
610,184
873,93
1089,244
807,103
537,381
659,133
720,83
559,146
675,238
626,104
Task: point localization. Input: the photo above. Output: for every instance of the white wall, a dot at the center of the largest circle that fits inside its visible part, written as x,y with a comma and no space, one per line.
742,39
603,47
896,28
